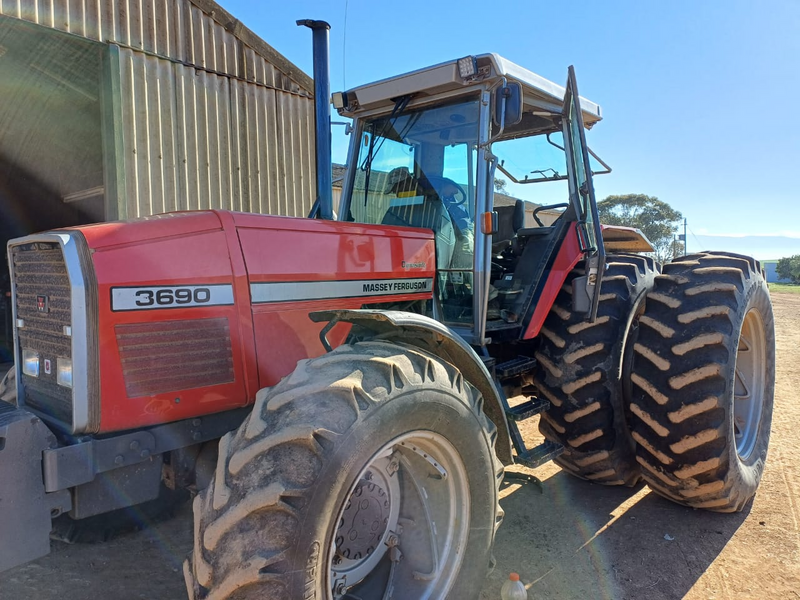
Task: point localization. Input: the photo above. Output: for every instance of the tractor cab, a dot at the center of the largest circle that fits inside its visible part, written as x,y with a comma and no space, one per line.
456,148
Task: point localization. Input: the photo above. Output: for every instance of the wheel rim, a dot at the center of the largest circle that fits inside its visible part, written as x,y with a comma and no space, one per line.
406,518
748,392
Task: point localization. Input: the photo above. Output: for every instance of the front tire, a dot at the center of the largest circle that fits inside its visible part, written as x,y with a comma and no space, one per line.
331,485
703,381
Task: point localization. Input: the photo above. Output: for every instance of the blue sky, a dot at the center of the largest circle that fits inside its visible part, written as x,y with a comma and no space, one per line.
699,98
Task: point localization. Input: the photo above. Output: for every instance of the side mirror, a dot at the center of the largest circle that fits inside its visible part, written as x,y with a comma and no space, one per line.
508,105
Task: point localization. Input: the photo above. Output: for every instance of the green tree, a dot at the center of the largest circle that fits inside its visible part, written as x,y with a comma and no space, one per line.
789,268
656,219
500,185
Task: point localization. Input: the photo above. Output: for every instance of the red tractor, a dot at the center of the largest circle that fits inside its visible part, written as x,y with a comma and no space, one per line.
335,392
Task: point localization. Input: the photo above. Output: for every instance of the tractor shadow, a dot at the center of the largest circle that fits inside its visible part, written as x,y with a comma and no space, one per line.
577,540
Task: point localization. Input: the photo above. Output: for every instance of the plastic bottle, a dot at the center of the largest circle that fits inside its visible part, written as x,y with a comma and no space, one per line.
513,589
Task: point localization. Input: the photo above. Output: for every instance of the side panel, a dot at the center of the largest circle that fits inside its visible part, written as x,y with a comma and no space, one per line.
197,311
568,256
160,360
299,266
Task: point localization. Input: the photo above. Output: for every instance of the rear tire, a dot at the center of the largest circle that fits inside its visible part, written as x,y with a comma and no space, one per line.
267,526
703,381
581,374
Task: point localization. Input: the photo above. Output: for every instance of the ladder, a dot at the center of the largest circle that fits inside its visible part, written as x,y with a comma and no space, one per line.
505,371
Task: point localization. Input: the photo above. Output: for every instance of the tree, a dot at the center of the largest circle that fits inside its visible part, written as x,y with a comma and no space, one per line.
789,268
500,185
656,219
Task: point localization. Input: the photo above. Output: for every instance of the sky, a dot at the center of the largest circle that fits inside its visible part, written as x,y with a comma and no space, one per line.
699,98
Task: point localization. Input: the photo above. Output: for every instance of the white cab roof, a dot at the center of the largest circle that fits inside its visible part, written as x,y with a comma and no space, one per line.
538,92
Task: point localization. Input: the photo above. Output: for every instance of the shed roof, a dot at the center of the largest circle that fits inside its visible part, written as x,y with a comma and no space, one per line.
198,33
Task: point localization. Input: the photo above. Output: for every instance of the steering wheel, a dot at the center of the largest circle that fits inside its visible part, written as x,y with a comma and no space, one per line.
440,183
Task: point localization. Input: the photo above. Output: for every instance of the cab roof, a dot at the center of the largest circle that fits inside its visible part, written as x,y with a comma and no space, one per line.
538,92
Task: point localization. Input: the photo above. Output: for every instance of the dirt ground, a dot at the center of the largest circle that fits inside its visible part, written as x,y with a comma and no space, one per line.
573,541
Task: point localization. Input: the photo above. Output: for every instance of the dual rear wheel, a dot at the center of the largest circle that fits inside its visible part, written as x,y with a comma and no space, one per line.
678,390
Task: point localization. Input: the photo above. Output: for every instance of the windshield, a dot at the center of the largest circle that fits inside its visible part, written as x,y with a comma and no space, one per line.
418,169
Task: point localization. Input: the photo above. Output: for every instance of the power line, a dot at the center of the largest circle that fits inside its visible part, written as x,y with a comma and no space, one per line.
699,243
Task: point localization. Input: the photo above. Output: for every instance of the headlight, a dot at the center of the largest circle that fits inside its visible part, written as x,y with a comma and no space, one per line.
64,375
30,362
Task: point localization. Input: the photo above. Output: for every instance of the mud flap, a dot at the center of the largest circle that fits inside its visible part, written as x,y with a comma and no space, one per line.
25,508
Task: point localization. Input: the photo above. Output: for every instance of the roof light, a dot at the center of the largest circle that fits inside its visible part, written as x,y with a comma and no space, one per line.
467,67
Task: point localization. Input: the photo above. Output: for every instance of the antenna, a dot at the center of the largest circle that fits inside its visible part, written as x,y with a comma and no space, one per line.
344,48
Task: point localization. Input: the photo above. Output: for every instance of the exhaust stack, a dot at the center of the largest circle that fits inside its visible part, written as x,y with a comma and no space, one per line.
322,110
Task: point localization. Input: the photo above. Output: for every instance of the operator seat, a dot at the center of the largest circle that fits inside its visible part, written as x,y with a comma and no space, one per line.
426,214
510,219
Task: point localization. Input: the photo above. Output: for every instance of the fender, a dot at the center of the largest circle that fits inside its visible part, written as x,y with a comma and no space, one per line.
625,239
437,339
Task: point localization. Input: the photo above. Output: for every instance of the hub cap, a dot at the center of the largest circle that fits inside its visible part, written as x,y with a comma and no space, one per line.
404,525
748,390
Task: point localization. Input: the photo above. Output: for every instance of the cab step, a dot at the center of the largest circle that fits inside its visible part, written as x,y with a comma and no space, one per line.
536,457
523,411
515,366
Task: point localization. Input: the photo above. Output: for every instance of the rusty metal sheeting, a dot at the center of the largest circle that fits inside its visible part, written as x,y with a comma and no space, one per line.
195,32
195,140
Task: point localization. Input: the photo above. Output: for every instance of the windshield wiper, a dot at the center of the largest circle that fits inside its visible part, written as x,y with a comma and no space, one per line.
366,166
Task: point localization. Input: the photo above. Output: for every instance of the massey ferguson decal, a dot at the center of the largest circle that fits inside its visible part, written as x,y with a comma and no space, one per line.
163,296
324,290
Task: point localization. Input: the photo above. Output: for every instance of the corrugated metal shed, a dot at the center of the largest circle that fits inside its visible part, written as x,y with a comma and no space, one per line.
197,111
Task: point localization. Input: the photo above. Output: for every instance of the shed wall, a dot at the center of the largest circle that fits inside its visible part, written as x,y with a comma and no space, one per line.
194,140
194,117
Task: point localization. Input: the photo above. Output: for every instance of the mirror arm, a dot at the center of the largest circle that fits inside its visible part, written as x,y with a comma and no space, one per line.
502,83
601,161
552,143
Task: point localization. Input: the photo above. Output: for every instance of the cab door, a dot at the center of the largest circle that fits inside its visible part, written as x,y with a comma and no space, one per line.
581,189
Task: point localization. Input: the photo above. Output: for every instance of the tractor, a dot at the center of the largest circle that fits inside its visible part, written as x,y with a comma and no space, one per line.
340,393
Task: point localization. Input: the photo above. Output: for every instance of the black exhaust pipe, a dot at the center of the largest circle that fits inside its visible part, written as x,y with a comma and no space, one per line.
322,109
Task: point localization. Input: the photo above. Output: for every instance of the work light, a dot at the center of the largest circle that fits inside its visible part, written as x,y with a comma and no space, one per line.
467,67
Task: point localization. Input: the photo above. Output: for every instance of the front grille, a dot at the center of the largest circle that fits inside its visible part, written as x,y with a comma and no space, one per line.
174,355
43,303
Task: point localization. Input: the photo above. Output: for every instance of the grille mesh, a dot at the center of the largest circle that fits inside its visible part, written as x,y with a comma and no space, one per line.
174,355
40,270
